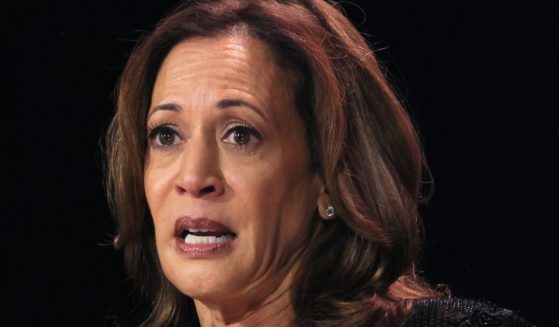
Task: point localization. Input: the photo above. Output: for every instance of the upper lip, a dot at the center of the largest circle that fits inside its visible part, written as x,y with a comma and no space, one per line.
185,223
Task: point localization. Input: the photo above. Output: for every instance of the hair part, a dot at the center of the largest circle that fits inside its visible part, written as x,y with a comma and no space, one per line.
357,269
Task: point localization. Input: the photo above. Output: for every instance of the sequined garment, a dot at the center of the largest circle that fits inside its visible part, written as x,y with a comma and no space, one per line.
462,313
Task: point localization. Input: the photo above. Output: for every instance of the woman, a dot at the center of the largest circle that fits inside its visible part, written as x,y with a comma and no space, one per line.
263,173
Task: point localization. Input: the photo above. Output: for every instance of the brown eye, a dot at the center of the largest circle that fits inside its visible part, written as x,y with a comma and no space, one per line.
241,136
163,136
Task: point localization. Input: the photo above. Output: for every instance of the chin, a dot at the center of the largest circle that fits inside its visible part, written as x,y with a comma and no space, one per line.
204,280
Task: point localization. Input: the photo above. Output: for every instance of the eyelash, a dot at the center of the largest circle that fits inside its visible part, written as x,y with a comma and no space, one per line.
154,132
241,126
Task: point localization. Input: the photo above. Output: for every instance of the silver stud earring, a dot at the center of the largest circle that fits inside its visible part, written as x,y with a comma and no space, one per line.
330,212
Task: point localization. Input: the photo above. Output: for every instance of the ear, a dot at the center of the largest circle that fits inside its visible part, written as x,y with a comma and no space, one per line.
325,207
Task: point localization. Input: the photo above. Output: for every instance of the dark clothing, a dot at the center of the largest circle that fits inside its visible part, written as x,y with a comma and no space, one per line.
462,313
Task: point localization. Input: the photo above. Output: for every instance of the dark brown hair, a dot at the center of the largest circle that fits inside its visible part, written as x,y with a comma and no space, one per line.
358,269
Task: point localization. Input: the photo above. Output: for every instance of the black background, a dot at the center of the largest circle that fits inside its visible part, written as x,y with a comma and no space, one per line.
479,78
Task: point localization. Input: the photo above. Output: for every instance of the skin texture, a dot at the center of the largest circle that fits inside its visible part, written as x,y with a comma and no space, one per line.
259,185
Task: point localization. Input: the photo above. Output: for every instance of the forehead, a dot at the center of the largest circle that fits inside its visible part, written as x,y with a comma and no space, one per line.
228,62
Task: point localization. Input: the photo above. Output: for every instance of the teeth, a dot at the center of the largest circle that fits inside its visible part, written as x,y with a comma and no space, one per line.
198,230
193,239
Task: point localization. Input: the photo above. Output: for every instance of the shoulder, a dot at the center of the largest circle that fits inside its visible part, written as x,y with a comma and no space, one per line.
463,313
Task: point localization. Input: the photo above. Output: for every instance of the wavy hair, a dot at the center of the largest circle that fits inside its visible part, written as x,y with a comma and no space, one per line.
357,270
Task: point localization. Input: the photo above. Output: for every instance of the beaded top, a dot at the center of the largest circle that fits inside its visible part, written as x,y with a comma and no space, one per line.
462,313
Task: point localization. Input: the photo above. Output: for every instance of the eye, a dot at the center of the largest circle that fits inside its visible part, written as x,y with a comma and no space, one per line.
241,135
163,136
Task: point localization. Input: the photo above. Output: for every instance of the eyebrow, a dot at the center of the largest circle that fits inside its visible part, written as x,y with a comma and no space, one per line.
171,106
226,103
222,104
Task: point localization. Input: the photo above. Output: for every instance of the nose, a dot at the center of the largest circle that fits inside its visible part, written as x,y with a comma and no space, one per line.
200,173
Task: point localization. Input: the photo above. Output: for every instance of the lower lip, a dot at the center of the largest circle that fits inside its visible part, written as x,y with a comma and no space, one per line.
202,250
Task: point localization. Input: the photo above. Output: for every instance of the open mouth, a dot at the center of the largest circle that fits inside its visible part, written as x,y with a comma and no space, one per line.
202,231
205,236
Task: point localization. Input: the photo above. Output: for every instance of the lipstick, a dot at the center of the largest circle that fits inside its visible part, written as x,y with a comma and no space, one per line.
202,237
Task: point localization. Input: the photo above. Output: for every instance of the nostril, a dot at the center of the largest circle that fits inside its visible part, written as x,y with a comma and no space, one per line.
208,189
198,186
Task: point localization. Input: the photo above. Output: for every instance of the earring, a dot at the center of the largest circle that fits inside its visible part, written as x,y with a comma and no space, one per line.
330,212
325,207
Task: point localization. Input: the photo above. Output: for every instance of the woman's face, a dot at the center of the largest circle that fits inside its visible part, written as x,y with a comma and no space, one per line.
227,176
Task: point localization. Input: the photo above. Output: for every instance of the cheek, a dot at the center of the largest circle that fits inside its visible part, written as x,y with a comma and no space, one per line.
153,189
158,186
280,197
285,212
